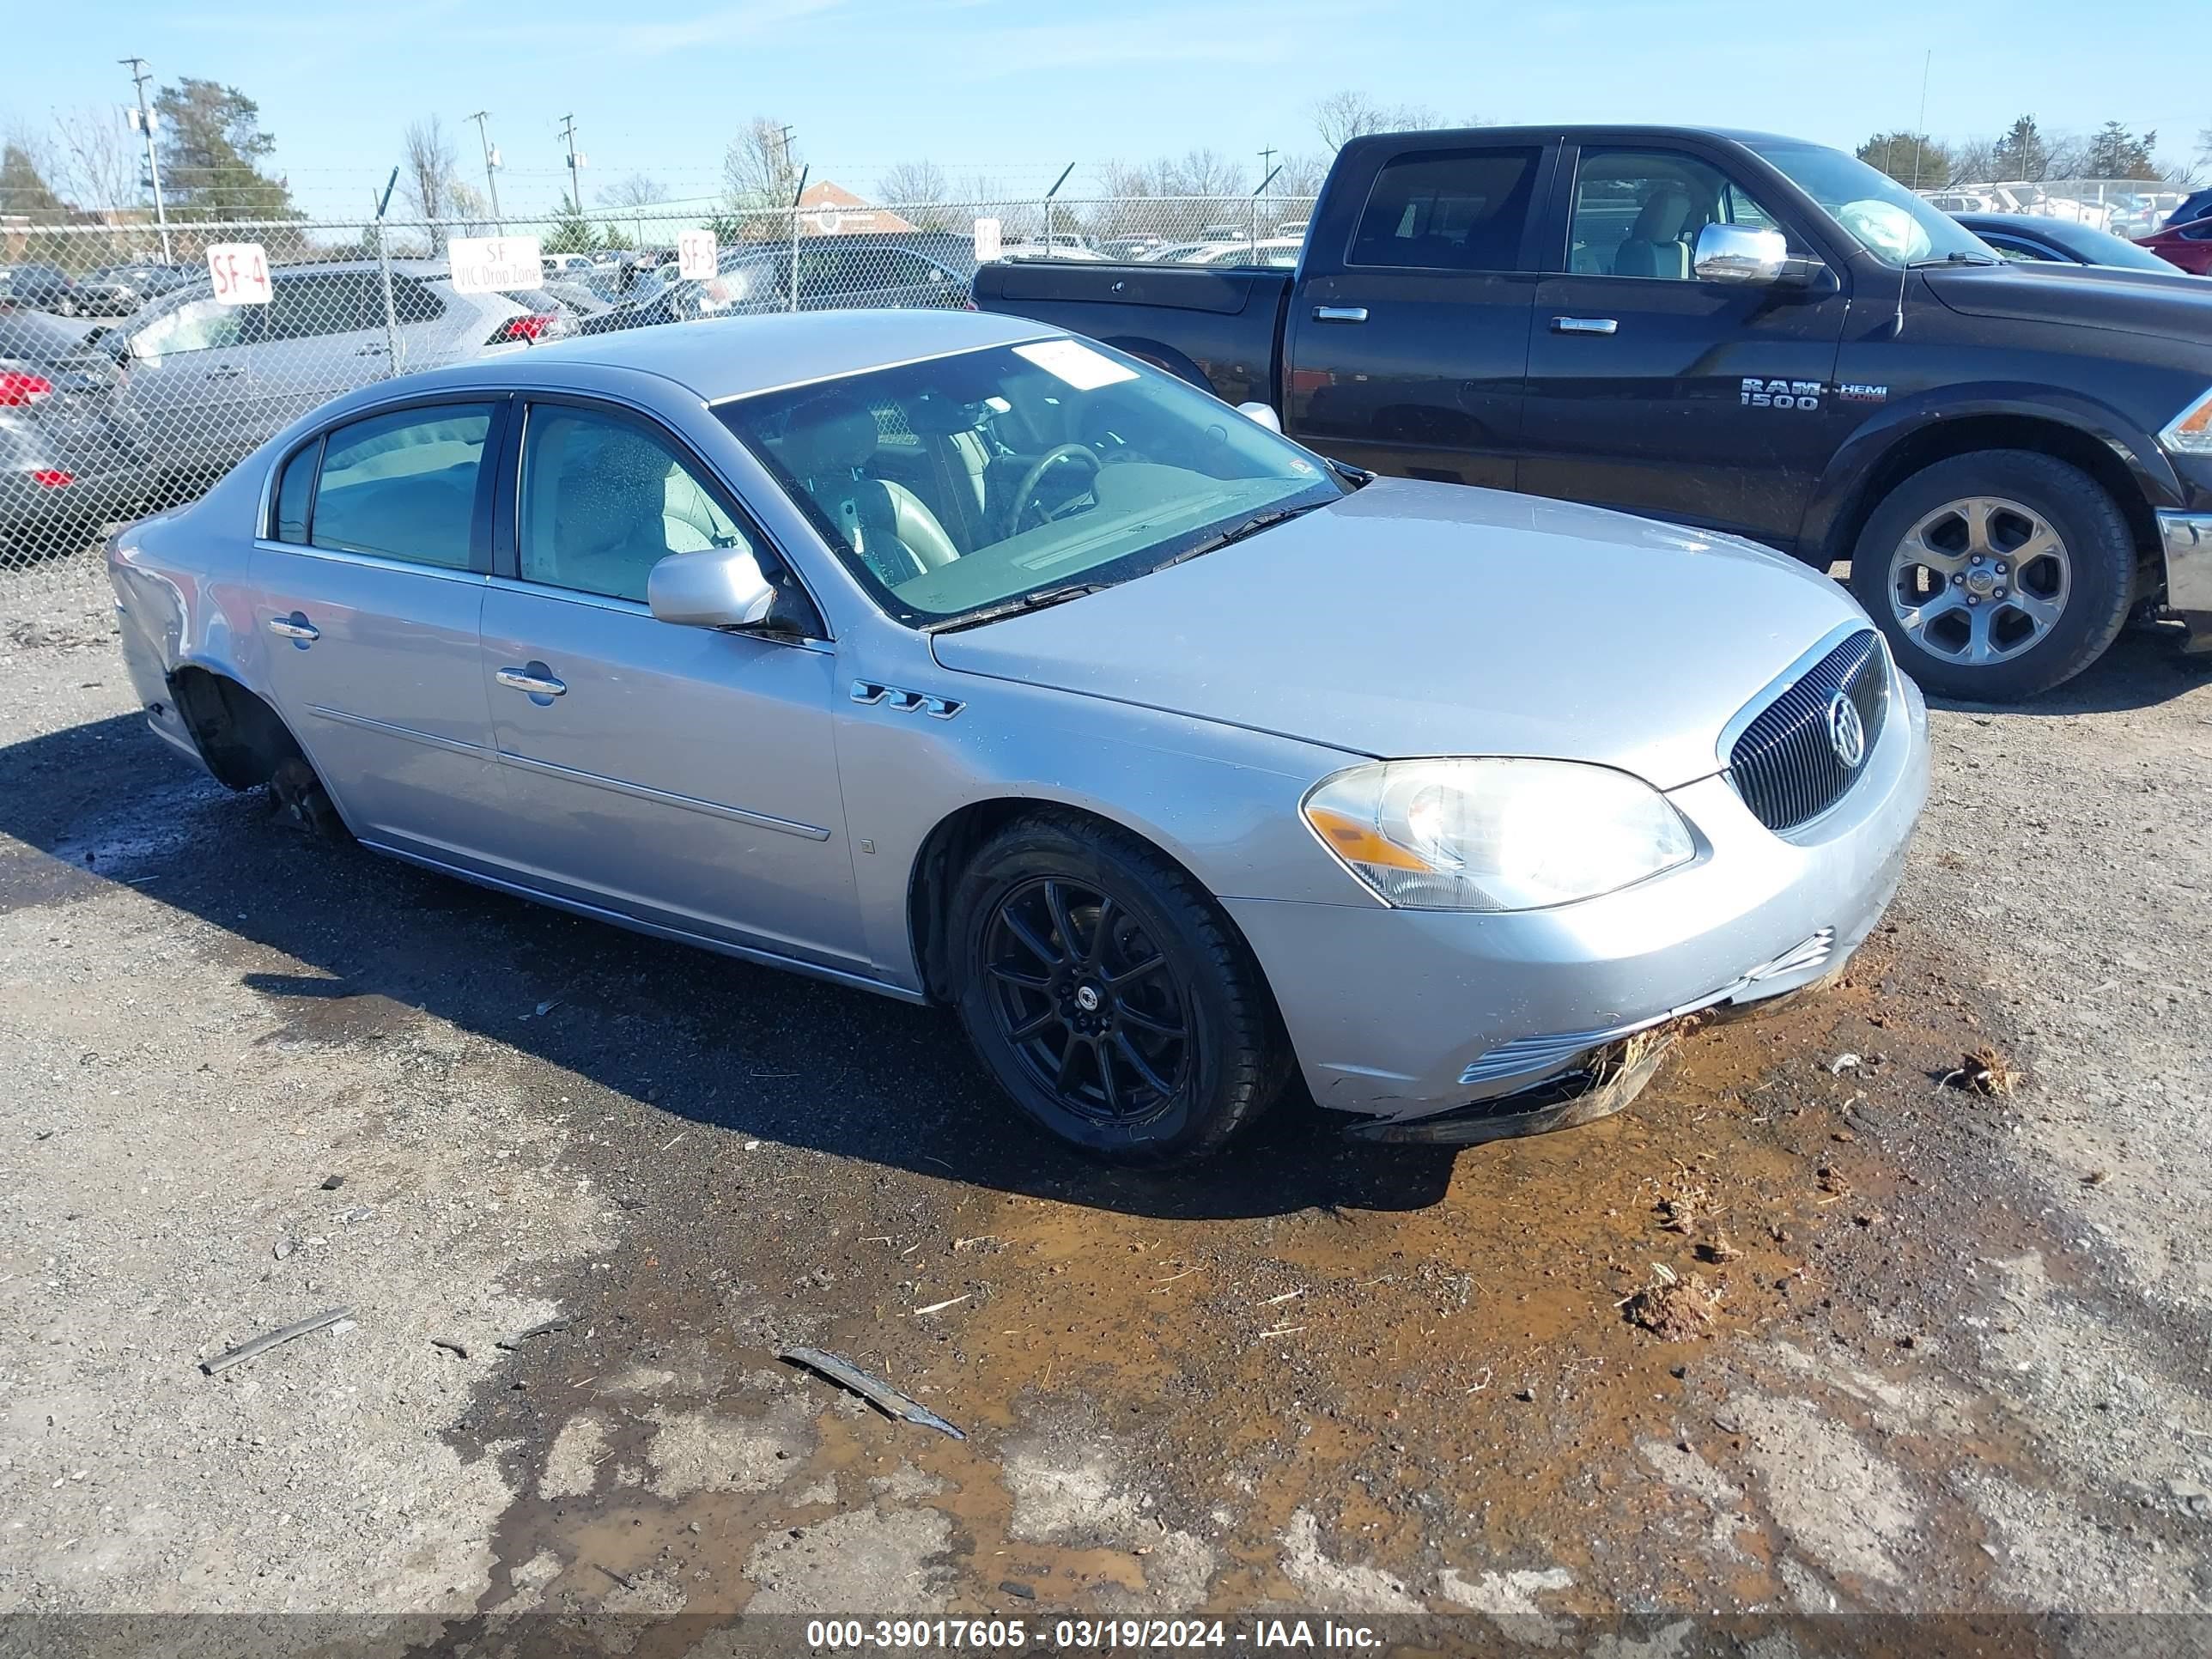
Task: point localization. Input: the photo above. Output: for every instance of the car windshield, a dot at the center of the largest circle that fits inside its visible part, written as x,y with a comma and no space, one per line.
1884,217
962,485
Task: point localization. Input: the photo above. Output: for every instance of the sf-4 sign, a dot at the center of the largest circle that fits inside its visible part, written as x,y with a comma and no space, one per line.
240,271
1759,393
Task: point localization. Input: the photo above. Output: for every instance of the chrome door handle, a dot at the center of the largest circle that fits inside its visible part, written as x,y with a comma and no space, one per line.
225,371
538,685
295,627
1340,313
1584,325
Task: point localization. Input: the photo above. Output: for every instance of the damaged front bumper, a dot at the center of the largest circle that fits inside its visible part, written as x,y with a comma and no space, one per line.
2186,539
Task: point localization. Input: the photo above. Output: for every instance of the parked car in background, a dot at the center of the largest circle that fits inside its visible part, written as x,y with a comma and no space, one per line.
557,265
2035,238
1673,321
2187,244
106,293
43,286
206,383
2197,204
1279,252
68,459
943,656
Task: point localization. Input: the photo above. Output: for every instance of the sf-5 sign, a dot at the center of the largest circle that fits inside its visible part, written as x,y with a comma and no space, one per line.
240,271
488,265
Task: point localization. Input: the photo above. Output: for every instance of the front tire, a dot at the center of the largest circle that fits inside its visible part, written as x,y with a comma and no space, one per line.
1996,575
1108,995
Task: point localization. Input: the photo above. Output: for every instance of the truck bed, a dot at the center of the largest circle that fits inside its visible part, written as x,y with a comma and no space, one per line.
1225,321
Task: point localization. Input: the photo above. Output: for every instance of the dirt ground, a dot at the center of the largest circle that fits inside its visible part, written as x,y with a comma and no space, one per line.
1809,1328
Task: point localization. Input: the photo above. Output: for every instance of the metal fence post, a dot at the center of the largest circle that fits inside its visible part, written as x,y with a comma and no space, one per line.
797,196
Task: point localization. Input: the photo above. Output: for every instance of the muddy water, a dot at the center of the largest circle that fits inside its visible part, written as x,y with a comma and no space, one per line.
1314,1373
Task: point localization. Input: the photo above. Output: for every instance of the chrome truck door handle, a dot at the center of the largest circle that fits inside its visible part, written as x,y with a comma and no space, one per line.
537,684
1340,313
295,627
1584,325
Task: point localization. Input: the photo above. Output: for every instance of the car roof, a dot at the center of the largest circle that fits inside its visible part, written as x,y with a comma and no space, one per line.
734,357
1459,137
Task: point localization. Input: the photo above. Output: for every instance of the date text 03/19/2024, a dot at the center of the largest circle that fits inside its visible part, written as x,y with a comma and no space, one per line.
1081,1635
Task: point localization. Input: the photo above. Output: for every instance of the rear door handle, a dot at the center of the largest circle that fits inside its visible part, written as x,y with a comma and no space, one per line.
295,627
1340,313
537,679
225,371
1585,325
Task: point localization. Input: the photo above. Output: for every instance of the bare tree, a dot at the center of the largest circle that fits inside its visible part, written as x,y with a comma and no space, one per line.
635,190
1343,116
1199,173
913,184
1301,175
427,176
95,160
760,170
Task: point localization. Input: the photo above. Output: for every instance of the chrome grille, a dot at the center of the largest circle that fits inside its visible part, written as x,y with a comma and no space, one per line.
1784,765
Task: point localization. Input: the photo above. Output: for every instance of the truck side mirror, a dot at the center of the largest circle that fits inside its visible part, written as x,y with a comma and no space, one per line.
1261,415
1738,253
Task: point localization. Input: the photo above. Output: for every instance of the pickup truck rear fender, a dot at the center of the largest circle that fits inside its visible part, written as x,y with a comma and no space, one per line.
1920,430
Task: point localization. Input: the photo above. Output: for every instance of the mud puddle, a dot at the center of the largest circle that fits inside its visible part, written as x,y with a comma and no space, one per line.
1317,1374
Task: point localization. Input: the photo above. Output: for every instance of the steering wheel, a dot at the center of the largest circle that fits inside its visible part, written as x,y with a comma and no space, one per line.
1025,492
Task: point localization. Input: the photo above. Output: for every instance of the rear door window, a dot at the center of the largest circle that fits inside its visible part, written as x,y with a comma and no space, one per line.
404,486
1448,210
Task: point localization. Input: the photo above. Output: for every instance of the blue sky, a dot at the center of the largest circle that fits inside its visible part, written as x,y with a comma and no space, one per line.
1016,88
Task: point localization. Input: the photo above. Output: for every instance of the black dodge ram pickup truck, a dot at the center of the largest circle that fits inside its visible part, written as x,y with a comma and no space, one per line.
1747,333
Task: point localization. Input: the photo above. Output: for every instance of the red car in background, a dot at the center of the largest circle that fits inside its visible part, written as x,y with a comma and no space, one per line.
2188,244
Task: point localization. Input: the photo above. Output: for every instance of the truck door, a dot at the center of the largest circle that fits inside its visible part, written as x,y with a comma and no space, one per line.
1406,352
1705,402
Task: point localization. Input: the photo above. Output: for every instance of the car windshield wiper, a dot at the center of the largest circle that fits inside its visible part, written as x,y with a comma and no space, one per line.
1041,599
1240,531
1954,259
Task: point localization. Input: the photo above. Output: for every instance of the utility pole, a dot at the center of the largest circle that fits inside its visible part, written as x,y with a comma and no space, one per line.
1920,130
139,77
575,161
491,166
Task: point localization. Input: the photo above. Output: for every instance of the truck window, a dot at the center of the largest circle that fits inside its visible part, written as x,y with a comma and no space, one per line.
1461,210
1638,213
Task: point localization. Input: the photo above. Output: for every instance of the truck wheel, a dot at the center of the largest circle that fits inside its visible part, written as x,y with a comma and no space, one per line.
1996,575
1107,994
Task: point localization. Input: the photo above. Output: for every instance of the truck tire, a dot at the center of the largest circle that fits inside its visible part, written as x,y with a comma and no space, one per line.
1108,995
1998,574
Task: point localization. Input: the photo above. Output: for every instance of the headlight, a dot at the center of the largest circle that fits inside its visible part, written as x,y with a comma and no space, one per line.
2190,432
1495,834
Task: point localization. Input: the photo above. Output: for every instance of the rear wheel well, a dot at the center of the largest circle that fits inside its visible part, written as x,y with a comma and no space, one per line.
1164,357
1972,434
241,737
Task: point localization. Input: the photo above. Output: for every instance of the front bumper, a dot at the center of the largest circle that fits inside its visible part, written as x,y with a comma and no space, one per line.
1400,1014
2185,539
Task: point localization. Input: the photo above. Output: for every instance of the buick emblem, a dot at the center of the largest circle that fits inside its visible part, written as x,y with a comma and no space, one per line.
1846,730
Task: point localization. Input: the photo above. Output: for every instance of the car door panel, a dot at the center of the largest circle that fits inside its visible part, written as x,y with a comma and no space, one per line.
370,636
685,777
1704,403
681,776
1410,357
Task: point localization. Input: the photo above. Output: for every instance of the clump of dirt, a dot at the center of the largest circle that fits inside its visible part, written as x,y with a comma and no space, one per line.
1986,1071
1675,1309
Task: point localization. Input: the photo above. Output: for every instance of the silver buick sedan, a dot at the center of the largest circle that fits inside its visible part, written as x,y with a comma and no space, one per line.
959,660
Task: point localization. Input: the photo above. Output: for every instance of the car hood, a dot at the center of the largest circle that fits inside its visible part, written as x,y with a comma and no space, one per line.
2179,308
1412,618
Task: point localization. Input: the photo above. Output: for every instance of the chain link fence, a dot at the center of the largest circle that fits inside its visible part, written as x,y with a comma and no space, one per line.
2126,207
139,362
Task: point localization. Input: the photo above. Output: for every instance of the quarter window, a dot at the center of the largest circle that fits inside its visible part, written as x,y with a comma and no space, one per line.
404,486
604,499
1448,210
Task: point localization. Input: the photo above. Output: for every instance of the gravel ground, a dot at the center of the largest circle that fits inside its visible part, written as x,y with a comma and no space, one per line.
1929,1351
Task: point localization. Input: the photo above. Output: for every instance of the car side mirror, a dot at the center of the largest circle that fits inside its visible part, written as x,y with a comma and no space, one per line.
715,587
1261,415
1740,254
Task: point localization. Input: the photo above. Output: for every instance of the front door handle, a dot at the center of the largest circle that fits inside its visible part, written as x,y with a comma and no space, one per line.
1340,313
537,679
295,627
370,351
225,371
1585,325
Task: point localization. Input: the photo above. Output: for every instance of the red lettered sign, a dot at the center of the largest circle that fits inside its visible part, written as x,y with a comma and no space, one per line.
240,271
